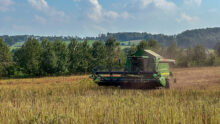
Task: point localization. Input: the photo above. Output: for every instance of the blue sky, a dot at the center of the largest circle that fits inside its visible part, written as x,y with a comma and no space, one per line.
92,17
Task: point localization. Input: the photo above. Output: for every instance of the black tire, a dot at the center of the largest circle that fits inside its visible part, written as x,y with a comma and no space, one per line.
167,84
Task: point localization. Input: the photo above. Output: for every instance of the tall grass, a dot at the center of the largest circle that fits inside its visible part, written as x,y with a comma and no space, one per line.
84,102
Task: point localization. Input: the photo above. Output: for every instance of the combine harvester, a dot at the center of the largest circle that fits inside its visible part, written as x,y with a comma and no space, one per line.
143,70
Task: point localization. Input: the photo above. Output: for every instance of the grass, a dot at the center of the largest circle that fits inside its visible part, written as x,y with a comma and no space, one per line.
90,42
124,44
77,99
16,45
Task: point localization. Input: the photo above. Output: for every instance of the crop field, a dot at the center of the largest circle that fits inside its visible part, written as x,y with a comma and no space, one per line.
194,99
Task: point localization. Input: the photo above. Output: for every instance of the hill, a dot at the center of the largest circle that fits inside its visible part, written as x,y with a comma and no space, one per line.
207,37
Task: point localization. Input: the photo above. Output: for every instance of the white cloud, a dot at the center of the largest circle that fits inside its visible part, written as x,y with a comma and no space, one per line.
126,15
186,18
160,4
96,10
98,14
112,14
4,5
43,6
54,12
146,2
193,2
165,5
39,4
40,19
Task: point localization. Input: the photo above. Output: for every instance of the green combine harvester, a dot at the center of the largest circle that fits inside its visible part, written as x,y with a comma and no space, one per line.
143,70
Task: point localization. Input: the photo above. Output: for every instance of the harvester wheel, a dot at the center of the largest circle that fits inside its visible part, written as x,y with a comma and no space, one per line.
167,84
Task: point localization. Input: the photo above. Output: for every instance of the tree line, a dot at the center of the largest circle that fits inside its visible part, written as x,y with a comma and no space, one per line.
208,37
49,58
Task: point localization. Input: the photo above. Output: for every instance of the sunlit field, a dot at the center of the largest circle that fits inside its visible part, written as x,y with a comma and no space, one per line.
194,99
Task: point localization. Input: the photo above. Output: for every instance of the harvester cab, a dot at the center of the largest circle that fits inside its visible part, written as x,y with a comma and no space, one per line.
143,70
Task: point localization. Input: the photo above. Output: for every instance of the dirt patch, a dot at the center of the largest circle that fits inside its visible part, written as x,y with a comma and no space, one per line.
197,78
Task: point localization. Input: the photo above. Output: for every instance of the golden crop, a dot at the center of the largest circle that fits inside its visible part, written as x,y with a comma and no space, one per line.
78,100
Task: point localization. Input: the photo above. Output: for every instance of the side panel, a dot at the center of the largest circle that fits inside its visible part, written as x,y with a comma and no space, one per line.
128,65
163,69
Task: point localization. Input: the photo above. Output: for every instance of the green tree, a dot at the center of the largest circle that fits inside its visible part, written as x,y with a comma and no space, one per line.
189,58
61,53
172,51
153,44
85,61
131,50
5,58
217,49
73,53
98,54
211,59
80,57
182,58
163,51
143,45
199,55
48,58
28,57
112,52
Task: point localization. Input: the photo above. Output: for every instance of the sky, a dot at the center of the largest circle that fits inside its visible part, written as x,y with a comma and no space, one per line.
93,17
